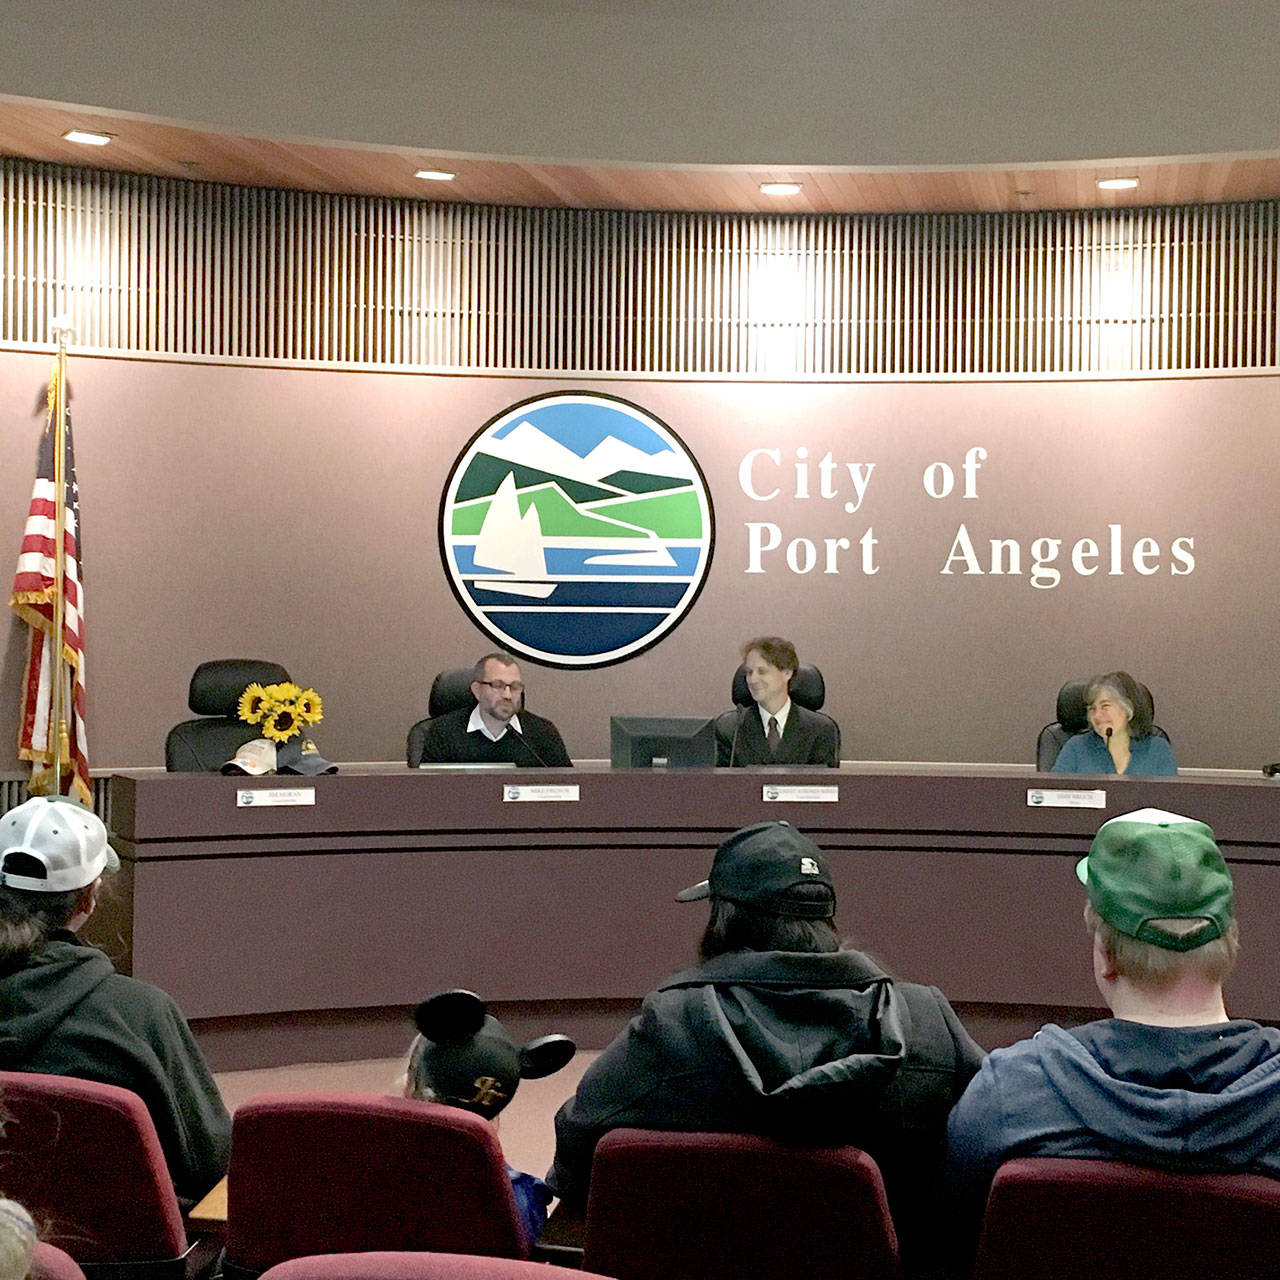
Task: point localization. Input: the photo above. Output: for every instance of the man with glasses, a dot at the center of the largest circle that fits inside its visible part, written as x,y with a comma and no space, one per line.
497,730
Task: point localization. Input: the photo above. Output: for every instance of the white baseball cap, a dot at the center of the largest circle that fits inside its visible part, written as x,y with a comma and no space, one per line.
255,757
64,838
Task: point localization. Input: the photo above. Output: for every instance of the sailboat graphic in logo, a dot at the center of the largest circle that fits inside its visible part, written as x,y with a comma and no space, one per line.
576,528
511,543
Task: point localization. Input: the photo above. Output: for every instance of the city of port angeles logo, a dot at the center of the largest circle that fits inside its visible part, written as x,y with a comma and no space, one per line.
576,529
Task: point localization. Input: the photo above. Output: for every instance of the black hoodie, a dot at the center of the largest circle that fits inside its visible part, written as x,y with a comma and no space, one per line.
67,1012
815,1048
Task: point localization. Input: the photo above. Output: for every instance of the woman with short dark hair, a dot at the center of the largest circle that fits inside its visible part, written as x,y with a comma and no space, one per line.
1119,738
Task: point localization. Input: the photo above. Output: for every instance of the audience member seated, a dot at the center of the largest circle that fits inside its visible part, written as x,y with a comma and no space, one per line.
67,1011
780,731
780,1031
496,730
1168,1080
463,1057
1119,738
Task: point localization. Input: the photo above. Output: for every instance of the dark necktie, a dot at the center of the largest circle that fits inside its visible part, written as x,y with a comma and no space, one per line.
773,736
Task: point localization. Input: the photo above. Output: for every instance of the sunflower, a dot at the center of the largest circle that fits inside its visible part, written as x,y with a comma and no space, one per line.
310,708
252,703
282,724
286,692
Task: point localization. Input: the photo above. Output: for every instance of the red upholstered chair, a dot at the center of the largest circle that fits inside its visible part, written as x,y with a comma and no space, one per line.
343,1173
419,1266
50,1263
85,1161
1053,1219
721,1206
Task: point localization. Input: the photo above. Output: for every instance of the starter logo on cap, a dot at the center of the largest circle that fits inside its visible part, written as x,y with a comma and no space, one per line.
576,529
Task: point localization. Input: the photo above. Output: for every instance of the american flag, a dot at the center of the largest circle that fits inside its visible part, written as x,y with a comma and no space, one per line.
34,590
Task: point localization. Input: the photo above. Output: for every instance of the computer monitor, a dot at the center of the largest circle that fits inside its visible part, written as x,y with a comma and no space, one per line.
680,742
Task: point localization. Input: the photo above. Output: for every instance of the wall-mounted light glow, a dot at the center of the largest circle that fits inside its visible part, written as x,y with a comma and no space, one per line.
435,175
780,188
1117,184
87,138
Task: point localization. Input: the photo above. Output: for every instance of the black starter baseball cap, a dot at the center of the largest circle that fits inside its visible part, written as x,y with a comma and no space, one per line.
758,867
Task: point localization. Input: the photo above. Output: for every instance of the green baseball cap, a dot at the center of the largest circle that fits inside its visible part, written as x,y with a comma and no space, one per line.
1152,865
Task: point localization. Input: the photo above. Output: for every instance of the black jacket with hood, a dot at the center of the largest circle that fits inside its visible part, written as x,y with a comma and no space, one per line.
811,1048
67,1012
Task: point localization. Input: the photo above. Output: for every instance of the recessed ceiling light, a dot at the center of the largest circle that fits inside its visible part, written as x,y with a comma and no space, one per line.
780,188
89,139
1117,184
435,175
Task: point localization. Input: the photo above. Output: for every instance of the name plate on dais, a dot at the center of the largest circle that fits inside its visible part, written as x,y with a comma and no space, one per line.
1064,798
265,797
800,795
521,792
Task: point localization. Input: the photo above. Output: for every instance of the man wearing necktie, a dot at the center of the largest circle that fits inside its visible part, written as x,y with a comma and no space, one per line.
776,730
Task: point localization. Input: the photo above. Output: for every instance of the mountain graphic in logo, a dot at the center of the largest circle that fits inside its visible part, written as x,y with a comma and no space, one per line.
576,529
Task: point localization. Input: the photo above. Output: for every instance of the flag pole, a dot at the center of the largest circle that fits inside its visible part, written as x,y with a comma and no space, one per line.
57,712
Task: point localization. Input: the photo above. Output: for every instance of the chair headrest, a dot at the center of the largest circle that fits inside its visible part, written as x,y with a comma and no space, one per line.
808,689
450,691
216,686
1072,715
1151,702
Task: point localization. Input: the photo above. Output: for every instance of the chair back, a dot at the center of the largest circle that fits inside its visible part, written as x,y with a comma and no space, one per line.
720,1206
450,691
1073,718
85,1161
419,1266
205,745
48,1262
808,688
342,1173
1056,1219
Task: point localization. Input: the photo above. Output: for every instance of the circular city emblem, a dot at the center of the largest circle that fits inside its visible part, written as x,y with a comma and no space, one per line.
576,529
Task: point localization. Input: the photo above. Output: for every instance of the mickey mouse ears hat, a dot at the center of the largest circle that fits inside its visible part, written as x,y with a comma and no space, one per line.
465,1057
758,867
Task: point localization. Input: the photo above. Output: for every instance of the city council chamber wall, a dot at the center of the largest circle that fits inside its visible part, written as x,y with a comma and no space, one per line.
947,551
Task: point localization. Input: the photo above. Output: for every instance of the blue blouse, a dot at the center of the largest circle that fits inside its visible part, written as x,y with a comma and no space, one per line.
1150,757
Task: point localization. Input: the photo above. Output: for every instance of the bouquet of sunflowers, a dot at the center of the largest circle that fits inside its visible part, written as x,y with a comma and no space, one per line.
281,709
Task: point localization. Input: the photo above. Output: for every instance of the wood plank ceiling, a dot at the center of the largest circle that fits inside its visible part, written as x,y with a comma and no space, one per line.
34,131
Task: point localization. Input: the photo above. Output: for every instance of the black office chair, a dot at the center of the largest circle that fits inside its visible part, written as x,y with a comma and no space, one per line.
808,689
450,691
205,745
1073,718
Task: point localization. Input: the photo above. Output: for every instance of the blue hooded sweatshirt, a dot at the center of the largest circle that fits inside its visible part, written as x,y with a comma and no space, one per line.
1185,1098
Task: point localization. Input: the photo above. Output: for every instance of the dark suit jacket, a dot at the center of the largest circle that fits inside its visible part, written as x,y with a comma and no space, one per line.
809,738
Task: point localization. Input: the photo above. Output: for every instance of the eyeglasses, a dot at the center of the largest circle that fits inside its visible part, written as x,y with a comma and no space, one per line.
503,686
